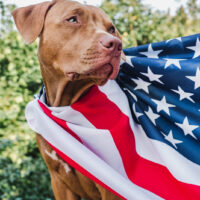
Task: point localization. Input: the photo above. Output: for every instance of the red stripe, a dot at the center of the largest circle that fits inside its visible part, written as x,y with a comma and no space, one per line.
104,114
82,170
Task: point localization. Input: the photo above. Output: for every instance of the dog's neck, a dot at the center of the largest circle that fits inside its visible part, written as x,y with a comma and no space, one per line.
67,94
62,92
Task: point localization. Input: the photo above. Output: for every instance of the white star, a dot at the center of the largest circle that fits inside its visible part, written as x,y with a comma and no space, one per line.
151,115
187,128
151,53
171,139
152,76
128,60
136,113
178,38
141,85
196,48
163,105
183,94
196,79
175,62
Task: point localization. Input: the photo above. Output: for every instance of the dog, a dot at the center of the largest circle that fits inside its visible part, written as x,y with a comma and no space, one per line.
79,47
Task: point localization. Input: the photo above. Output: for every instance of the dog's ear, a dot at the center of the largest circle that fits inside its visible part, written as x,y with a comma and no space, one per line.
30,20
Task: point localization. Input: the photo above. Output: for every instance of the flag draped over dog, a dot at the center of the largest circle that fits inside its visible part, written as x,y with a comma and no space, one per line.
138,136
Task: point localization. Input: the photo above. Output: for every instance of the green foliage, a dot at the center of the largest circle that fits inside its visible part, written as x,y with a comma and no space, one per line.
23,175
5,19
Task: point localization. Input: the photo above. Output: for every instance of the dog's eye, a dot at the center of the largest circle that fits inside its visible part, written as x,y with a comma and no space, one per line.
73,20
111,29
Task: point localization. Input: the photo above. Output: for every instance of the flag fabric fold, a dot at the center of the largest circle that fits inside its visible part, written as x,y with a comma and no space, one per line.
138,136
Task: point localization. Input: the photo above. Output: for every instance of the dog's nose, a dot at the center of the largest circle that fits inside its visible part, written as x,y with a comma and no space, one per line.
110,43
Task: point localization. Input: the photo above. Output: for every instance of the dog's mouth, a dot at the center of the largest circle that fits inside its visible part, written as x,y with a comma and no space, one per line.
100,73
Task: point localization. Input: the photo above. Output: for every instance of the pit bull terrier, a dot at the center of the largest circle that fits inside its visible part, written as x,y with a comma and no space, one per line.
79,47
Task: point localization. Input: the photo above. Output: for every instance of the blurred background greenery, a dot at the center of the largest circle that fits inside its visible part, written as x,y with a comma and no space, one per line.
23,175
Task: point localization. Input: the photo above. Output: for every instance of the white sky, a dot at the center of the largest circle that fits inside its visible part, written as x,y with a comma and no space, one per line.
156,4
165,4
29,2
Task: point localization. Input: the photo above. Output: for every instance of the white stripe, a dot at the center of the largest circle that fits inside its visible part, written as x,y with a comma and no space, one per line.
113,92
101,143
41,123
70,115
180,167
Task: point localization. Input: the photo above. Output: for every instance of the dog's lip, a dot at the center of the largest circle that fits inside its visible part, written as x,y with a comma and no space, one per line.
102,71
105,69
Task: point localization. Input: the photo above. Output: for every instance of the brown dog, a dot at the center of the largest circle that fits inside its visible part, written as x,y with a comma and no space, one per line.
79,47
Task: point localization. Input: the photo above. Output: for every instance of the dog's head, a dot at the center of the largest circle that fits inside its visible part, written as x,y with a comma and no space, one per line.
76,41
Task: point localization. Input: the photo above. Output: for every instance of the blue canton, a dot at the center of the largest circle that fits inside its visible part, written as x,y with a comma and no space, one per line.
162,83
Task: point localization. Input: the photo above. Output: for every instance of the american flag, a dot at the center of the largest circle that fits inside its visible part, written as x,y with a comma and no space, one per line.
141,141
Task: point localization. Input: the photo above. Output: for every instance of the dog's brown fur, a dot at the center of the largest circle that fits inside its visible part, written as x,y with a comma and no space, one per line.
78,48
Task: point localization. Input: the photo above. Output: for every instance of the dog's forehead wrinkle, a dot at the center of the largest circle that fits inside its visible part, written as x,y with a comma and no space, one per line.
79,11
97,14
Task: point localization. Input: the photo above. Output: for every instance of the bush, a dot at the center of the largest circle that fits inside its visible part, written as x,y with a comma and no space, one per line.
23,174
